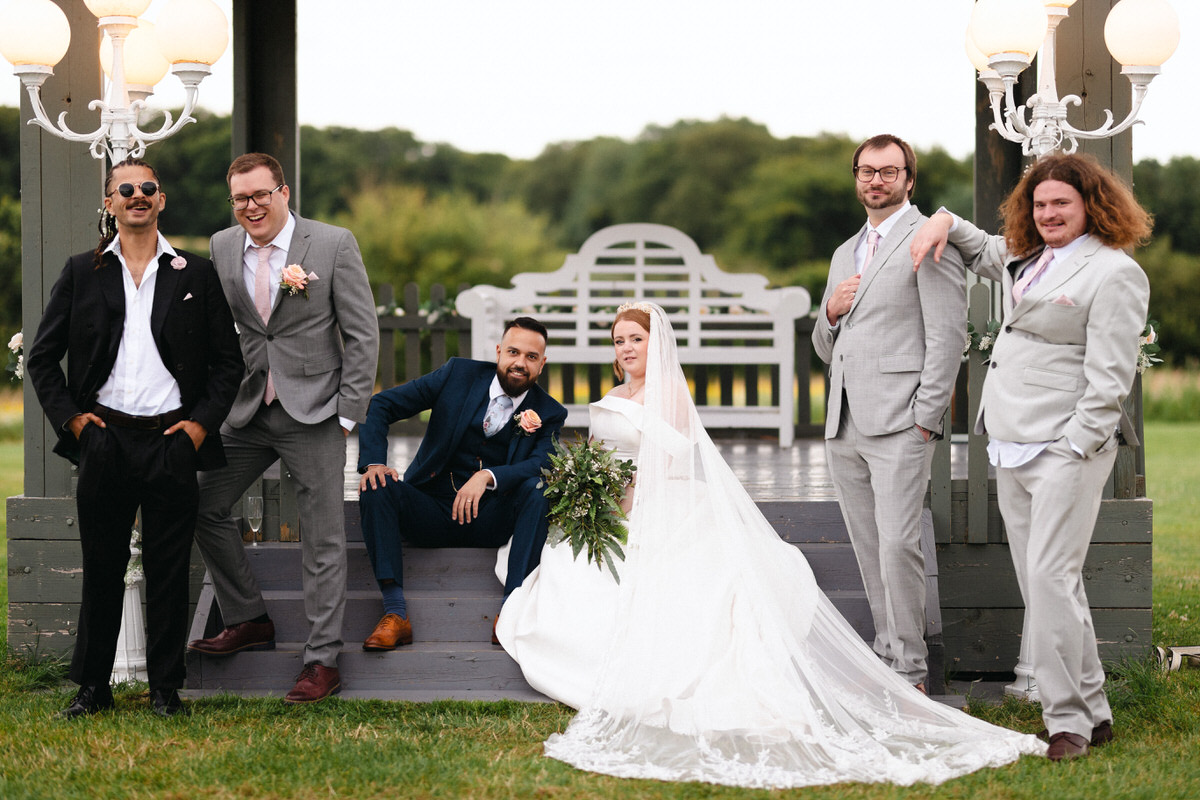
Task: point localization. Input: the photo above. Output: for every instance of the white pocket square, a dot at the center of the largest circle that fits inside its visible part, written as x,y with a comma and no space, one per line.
312,276
1062,300
187,296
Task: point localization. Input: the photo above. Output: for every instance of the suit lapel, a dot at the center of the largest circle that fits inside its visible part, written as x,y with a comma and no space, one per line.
476,394
112,288
235,257
166,280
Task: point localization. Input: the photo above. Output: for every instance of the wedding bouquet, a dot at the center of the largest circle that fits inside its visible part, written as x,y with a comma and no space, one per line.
584,484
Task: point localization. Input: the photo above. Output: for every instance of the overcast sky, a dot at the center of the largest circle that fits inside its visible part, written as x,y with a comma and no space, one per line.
511,76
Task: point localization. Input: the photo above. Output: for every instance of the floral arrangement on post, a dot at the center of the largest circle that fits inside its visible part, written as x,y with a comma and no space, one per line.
1148,347
584,484
16,357
981,342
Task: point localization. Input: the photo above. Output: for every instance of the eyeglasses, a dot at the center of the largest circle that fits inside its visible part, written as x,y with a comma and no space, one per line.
149,188
886,174
261,198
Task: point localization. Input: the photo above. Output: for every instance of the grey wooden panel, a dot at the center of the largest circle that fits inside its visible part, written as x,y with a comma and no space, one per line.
42,628
51,571
42,518
1124,520
972,576
989,639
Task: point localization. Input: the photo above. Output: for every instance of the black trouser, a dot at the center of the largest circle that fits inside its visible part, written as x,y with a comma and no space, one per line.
120,469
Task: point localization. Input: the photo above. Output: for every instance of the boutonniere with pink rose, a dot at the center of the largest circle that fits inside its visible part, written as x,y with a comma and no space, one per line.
295,281
527,421
178,262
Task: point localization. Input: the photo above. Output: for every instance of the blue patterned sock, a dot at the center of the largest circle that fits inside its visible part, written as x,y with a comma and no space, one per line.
393,599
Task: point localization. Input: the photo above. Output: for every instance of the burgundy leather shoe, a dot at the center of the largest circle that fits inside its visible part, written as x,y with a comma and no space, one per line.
315,682
1065,746
236,638
1102,734
392,631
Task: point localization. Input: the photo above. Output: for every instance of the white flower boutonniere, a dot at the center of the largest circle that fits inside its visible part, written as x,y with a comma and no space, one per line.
527,421
178,262
294,280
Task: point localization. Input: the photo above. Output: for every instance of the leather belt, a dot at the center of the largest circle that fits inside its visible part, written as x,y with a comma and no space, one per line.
152,423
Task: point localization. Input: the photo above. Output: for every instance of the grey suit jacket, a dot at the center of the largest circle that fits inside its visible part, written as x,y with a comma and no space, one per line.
1066,355
897,351
321,350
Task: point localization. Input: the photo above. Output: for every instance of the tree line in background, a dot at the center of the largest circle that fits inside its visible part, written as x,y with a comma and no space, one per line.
430,213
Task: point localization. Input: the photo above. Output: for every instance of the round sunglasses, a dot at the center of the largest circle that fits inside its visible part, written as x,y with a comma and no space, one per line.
149,188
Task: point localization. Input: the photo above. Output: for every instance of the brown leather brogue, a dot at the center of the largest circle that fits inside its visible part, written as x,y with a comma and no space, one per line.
236,638
1064,746
315,682
391,631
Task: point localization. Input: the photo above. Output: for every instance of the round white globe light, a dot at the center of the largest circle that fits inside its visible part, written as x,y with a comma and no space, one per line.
1008,26
33,32
192,31
1142,33
144,61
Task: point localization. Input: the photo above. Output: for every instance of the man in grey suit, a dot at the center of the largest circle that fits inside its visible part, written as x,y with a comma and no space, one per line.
1074,306
893,339
310,339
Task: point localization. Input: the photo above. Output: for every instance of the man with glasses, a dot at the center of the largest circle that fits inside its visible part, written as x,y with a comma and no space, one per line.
893,339
152,368
299,292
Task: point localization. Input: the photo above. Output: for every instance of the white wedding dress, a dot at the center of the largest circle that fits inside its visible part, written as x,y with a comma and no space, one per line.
716,658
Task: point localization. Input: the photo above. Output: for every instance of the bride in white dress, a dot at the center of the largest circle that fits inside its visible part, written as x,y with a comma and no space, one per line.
716,658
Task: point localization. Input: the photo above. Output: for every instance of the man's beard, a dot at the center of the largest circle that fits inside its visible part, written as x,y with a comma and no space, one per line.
512,384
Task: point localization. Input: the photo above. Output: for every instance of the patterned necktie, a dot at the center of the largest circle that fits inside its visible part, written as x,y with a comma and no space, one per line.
1031,275
497,415
262,302
872,246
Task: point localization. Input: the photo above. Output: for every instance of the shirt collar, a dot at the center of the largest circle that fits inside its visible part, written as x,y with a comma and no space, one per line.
1061,254
282,240
885,227
163,247
495,390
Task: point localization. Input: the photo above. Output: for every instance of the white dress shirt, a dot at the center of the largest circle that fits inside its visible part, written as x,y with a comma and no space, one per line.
140,383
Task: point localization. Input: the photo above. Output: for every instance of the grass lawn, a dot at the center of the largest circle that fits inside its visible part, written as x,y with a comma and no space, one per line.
234,748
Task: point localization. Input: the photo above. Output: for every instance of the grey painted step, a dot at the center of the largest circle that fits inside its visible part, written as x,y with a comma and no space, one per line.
421,666
395,695
276,566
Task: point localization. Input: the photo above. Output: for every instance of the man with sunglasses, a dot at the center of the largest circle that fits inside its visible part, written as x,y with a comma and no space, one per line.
893,339
299,292
153,365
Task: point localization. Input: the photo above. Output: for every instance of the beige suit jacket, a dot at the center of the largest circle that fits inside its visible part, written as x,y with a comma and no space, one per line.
1066,355
896,353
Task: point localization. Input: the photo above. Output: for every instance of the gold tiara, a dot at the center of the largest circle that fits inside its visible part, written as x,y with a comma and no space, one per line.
638,306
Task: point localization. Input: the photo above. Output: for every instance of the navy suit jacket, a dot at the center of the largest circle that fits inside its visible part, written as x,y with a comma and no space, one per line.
85,318
453,393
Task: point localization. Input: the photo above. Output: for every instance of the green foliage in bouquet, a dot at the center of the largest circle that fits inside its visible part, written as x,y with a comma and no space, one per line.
584,484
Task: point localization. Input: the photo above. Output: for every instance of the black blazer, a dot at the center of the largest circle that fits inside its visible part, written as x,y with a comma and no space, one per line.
191,325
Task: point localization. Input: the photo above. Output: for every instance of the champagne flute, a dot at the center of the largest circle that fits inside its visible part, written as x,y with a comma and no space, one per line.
254,516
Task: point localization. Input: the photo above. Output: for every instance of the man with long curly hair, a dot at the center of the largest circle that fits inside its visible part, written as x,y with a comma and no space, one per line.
1074,306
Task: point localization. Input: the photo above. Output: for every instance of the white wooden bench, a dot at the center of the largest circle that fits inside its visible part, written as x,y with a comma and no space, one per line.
722,320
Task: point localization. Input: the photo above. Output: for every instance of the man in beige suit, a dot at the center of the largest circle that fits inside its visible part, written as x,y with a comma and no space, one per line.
893,339
1074,306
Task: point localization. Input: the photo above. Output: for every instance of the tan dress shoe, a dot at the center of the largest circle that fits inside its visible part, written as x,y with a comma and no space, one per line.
392,631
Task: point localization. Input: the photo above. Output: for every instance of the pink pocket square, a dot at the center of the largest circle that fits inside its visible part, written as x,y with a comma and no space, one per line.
1062,300
187,296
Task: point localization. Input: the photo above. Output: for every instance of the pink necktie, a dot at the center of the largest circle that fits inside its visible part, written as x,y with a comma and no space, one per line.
872,246
262,303
1031,275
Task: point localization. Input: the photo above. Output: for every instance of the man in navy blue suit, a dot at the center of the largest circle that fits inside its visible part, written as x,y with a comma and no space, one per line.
474,480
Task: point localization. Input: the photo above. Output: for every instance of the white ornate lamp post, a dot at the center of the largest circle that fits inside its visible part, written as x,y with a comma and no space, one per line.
191,35
1005,35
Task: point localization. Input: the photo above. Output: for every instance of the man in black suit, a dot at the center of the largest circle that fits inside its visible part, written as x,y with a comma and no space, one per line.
152,368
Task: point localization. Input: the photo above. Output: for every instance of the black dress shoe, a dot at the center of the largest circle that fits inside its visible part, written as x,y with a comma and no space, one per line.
166,703
88,700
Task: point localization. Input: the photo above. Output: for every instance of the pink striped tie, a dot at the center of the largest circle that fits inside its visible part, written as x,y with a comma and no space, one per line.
1031,274
872,246
262,303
